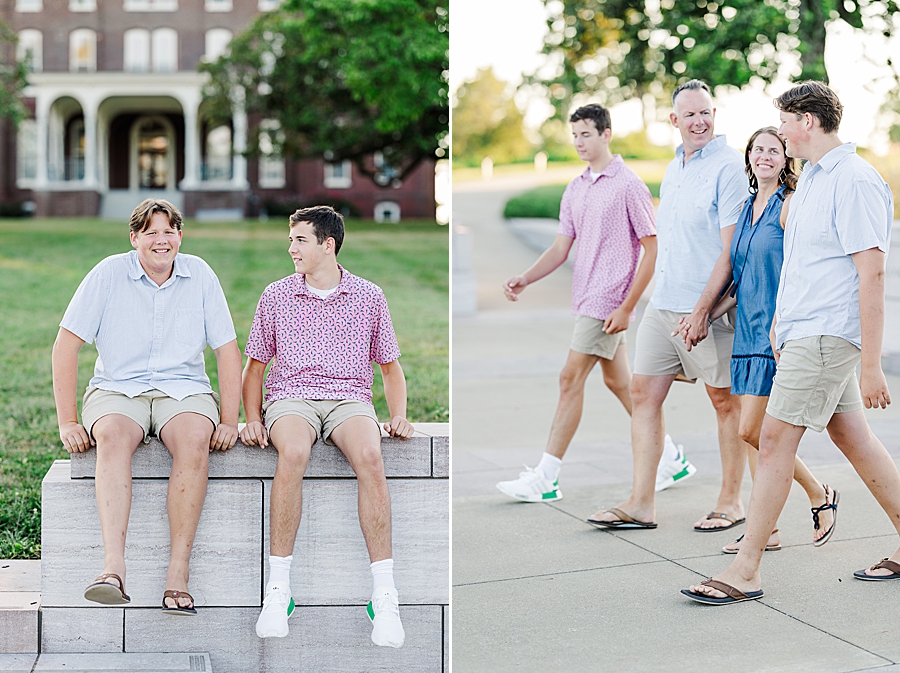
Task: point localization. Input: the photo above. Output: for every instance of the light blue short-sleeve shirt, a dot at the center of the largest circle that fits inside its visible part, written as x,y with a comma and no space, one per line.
842,206
697,199
150,336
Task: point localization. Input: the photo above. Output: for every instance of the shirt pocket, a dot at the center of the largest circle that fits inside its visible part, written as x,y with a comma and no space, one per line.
190,329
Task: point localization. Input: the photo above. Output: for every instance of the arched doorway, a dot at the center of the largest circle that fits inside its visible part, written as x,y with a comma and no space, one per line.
152,154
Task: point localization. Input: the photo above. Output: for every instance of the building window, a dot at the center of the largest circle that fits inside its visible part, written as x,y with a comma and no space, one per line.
83,50
217,41
29,5
337,176
137,50
266,5
30,49
271,163
26,152
218,5
387,211
165,50
217,156
150,5
82,5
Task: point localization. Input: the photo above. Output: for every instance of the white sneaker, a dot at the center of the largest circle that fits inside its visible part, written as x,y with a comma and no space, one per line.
277,607
531,486
384,611
670,472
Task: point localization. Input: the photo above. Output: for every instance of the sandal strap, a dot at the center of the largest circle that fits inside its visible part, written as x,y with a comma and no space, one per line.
887,564
175,595
106,576
720,515
726,589
622,515
828,505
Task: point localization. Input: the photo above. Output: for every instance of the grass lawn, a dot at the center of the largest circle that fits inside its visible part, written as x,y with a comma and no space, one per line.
544,201
42,262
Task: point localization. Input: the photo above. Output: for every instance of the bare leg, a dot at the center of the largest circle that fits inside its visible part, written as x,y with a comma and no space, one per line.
617,376
186,437
647,432
872,463
571,401
293,437
117,438
733,452
775,470
359,438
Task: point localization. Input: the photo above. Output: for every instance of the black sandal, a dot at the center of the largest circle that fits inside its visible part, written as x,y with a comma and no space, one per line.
833,505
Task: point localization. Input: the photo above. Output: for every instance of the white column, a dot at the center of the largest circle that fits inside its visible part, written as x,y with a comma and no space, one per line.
90,144
239,141
190,105
42,119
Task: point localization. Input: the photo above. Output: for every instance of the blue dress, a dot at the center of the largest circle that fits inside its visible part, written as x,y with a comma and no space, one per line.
757,253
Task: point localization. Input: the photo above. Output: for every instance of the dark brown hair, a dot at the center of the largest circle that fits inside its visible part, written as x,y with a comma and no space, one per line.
140,216
326,223
816,98
596,113
789,173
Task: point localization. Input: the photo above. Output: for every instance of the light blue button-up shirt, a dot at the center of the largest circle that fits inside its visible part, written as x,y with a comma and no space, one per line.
150,336
697,199
841,206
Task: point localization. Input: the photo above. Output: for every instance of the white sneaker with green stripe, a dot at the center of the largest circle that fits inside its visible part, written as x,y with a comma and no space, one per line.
277,607
531,486
384,612
670,472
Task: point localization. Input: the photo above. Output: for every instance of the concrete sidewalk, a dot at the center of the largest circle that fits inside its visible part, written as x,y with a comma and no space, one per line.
536,588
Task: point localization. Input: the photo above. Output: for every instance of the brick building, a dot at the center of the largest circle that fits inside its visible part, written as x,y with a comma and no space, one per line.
117,116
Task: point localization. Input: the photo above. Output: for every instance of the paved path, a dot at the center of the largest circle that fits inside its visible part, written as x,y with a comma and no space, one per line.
536,588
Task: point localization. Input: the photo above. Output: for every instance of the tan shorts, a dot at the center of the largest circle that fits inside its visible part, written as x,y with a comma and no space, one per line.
590,339
815,379
658,353
323,415
150,410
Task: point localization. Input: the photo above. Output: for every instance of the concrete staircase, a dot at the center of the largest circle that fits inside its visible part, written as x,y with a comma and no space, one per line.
330,630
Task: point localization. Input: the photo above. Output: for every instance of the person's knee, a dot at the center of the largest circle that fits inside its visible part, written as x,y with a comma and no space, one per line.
723,401
571,381
293,457
645,395
749,433
368,460
616,382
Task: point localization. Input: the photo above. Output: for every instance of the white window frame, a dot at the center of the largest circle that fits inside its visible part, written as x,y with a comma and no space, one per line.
28,6
381,206
150,5
268,5
130,49
34,39
74,63
82,5
213,46
25,159
217,5
342,181
164,54
271,166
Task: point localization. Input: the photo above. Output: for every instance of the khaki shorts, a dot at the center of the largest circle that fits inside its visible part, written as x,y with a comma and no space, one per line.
151,410
658,353
590,339
323,415
815,379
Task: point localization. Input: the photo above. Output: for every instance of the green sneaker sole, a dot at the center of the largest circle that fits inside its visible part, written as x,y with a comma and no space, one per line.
370,611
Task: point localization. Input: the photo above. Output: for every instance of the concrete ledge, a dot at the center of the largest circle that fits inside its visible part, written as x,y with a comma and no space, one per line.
226,559
133,663
100,629
415,457
20,603
17,663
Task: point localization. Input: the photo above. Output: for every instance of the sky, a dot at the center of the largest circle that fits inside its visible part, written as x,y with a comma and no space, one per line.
508,34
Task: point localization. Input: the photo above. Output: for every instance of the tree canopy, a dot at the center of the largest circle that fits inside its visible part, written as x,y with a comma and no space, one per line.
345,79
13,78
618,49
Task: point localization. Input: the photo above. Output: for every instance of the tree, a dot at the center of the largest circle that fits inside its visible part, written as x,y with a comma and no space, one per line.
345,79
612,50
13,78
487,122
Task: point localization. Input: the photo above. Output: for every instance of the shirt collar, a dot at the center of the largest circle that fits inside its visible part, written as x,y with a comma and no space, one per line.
136,271
711,147
612,168
346,286
835,156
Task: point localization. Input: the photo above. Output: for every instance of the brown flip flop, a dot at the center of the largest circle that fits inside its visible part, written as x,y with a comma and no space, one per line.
177,610
106,593
732,522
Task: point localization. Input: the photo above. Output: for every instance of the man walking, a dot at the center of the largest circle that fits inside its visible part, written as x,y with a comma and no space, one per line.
829,318
324,327
609,211
700,201
151,312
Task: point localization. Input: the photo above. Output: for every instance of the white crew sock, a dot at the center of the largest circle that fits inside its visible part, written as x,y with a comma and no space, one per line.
550,466
280,570
670,451
383,574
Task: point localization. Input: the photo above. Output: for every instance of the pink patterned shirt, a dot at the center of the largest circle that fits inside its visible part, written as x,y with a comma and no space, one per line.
323,348
607,217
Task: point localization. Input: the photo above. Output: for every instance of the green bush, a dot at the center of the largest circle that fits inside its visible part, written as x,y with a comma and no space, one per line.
544,201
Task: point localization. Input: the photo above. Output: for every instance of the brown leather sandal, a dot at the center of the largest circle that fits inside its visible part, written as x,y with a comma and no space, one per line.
883,563
107,593
177,609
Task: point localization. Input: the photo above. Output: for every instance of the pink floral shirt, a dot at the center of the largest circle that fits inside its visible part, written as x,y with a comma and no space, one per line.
607,217
323,348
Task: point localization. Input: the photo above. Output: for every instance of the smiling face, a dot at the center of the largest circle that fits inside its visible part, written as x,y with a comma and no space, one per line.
766,157
795,130
157,246
589,142
308,254
694,117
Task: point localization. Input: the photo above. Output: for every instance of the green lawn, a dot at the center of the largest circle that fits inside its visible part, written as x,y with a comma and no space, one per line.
43,261
544,201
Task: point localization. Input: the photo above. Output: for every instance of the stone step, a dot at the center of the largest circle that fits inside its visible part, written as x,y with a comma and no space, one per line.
17,663
425,454
20,602
121,662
